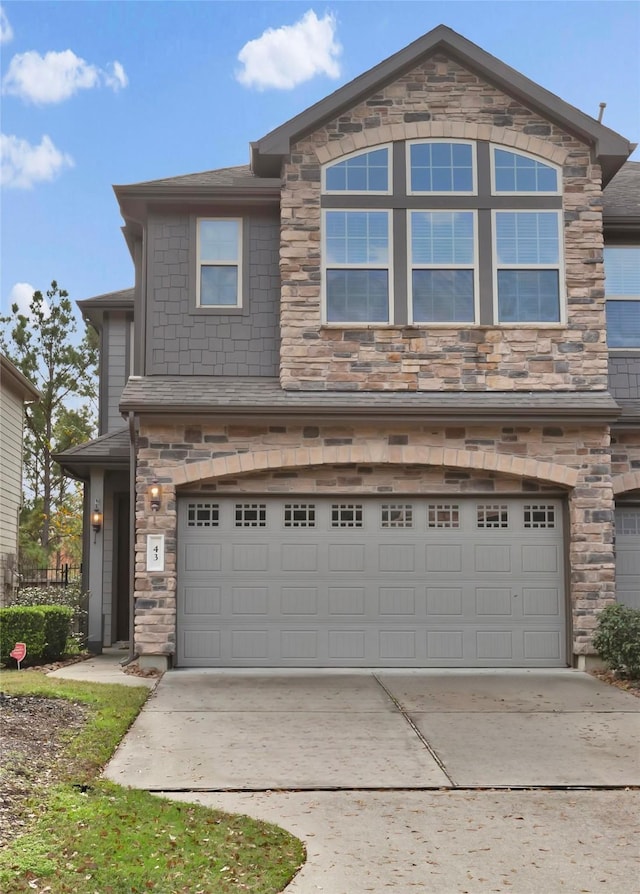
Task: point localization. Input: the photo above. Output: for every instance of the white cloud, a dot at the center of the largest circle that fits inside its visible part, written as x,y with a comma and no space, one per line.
21,294
6,31
55,77
22,165
287,56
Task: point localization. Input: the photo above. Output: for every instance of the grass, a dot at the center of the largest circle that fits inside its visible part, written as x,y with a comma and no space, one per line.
89,836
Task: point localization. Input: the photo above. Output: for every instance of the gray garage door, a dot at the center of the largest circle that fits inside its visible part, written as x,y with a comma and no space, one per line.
628,555
317,581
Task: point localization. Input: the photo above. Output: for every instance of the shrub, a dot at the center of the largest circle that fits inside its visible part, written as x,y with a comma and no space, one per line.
57,626
617,638
22,624
71,595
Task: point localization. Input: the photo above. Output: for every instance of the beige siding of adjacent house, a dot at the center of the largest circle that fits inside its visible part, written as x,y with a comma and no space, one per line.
11,419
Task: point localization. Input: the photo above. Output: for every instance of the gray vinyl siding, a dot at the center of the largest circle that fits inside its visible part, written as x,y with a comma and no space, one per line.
114,369
624,376
185,340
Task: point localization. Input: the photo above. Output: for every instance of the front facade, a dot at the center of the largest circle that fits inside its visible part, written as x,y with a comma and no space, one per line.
15,391
370,400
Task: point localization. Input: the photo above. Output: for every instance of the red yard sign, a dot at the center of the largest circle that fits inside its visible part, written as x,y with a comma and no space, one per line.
19,652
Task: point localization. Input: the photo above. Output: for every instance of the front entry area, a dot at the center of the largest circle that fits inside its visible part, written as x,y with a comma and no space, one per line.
356,581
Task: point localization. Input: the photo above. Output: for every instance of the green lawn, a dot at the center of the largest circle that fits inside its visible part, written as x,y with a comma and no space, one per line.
88,836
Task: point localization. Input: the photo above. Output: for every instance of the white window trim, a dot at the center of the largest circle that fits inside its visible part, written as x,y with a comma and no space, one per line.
474,167
360,192
219,263
560,267
388,267
475,267
530,155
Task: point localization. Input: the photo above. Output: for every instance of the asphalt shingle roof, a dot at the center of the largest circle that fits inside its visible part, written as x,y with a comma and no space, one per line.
219,395
621,198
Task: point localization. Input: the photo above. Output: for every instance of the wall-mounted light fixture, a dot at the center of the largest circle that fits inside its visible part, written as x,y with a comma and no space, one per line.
154,495
96,520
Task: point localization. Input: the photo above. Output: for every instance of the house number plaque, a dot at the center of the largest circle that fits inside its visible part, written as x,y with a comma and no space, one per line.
155,552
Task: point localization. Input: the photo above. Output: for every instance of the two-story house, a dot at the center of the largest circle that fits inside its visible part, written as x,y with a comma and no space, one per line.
359,408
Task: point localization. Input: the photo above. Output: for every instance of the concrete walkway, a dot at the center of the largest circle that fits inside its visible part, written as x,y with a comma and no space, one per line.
388,777
104,668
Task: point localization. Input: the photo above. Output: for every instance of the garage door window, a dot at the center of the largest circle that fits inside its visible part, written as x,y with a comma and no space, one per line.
346,515
539,516
299,515
203,515
251,515
396,515
492,516
628,522
443,515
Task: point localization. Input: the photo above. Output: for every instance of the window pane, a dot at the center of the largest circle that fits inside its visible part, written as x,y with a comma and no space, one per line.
368,172
623,324
622,270
218,285
443,296
527,237
357,296
442,237
441,167
518,173
528,296
357,237
219,240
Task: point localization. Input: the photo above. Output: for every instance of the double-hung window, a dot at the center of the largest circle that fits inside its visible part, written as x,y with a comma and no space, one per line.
219,271
442,232
622,289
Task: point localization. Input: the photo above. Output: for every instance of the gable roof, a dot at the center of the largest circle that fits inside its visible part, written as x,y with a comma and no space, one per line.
611,148
15,381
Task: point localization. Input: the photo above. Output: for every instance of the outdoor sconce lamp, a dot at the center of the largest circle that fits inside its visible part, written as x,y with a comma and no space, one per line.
154,495
96,520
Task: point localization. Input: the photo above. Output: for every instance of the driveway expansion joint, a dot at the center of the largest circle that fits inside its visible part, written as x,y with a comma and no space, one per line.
391,789
422,738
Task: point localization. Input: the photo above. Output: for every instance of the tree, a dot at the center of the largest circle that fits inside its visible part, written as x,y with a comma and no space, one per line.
45,347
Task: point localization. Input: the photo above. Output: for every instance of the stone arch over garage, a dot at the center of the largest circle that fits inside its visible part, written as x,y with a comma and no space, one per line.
380,453
628,481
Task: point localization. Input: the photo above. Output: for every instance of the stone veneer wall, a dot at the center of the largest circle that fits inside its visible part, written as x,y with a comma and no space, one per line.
414,458
625,460
441,99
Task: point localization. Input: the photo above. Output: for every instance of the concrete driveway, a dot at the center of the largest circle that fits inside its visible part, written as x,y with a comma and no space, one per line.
404,781
280,730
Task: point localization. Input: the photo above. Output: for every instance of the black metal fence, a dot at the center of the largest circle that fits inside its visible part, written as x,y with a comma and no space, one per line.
58,576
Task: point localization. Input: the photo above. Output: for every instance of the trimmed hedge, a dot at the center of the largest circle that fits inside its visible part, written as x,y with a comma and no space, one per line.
44,628
57,629
22,624
617,638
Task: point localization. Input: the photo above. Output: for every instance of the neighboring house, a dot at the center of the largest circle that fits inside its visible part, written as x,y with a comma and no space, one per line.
360,400
15,391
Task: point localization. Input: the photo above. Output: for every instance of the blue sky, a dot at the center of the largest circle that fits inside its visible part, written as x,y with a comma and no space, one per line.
97,93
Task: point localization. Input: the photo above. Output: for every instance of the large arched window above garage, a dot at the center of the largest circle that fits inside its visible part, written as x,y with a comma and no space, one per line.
472,235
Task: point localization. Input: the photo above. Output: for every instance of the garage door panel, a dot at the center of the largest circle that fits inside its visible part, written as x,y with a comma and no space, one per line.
628,555
537,601
491,559
444,601
299,600
541,558
494,645
341,581
542,643
204,600
204,557
445,558
397,601
494,601
343,557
